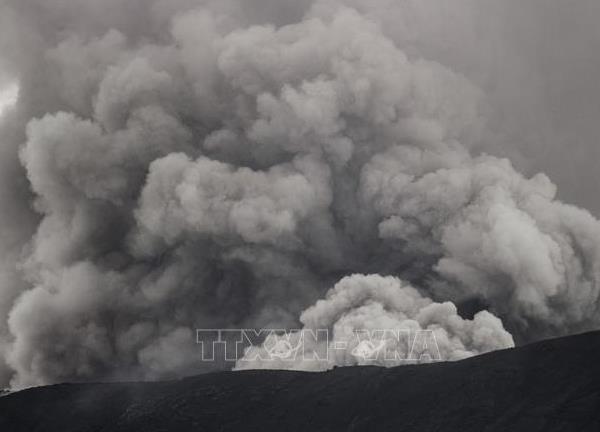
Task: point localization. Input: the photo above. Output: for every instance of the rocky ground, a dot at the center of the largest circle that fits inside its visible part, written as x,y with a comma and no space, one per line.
548,386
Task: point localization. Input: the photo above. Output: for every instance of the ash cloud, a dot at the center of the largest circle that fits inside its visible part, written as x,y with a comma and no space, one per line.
368,317
173,165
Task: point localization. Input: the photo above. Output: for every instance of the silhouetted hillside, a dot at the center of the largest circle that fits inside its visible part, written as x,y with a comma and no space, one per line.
549,386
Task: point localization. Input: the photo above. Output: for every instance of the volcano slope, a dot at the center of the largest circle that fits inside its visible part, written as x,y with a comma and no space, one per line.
552,385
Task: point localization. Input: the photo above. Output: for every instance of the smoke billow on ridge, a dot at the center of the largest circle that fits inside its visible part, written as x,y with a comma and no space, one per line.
173,165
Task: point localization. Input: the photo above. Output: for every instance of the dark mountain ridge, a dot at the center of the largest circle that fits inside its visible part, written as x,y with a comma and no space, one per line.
552,385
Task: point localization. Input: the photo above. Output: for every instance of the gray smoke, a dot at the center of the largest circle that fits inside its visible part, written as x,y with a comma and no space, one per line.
181,164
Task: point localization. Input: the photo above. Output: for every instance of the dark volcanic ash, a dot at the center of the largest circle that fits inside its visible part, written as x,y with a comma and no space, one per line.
171,165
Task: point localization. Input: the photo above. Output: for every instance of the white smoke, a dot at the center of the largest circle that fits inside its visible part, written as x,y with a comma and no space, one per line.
379,308
173,165
8,96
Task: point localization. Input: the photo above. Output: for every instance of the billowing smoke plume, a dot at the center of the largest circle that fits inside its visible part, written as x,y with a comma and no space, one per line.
183,164
376,320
